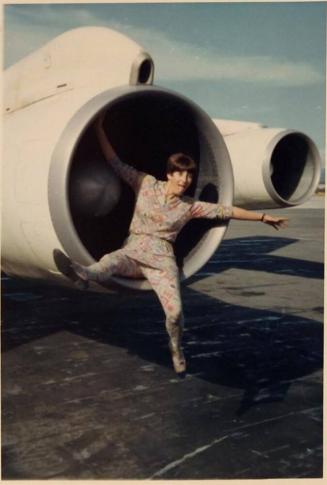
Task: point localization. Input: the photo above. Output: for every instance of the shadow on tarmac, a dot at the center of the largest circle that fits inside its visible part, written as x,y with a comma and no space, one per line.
255,350
258,353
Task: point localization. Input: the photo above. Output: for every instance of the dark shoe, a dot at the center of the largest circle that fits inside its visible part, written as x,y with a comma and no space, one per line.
64,265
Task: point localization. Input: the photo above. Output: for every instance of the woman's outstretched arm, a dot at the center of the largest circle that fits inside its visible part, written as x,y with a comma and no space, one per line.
129,174
277,222
208,210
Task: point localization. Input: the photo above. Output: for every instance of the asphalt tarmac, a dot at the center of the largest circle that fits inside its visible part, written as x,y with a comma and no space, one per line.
88,390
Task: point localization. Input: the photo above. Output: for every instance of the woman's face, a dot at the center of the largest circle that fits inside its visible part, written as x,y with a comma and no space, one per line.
180,181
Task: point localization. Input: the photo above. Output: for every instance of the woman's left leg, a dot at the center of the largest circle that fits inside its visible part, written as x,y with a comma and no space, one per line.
166,284
115,263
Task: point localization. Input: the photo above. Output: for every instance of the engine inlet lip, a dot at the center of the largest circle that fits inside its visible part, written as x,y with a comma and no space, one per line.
315,160
58,183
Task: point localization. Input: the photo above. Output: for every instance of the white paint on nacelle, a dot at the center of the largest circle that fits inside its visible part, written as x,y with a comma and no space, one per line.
88,58
272,167
42,93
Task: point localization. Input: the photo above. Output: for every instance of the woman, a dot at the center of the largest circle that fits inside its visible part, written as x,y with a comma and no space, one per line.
160,213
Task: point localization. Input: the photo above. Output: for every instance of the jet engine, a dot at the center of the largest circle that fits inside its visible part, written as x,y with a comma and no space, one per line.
59,192
273,167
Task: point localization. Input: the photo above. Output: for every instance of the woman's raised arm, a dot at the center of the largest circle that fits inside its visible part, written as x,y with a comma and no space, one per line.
129,174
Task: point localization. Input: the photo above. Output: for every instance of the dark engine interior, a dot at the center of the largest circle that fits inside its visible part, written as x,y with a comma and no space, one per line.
144,131
291,173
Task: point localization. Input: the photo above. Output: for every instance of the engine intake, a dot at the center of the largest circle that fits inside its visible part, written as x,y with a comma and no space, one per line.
293,171
91,209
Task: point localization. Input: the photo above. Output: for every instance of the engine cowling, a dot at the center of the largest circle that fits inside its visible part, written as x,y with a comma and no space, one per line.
273,167
59,193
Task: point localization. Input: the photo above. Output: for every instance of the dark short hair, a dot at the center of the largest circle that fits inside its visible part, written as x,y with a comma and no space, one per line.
179,162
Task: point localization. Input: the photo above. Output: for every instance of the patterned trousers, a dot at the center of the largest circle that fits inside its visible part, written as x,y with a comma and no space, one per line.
165,283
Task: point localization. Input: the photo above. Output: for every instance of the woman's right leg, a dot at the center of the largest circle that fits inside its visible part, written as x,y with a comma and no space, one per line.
166,284
115,263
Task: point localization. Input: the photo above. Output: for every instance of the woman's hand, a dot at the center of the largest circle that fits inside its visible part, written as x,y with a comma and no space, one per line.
246,215
277,222
99,121
106,147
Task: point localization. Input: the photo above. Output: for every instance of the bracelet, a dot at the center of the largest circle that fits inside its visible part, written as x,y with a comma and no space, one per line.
263,217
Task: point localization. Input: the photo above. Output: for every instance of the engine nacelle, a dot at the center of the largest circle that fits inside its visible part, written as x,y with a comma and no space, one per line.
58,191
272,167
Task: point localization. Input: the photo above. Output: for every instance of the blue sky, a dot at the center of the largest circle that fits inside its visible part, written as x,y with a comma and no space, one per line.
262,62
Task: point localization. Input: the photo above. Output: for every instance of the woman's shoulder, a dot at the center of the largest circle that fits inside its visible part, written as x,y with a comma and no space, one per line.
149,180
149,183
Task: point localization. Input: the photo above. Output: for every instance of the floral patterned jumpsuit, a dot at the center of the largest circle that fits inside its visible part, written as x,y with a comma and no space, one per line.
148,251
